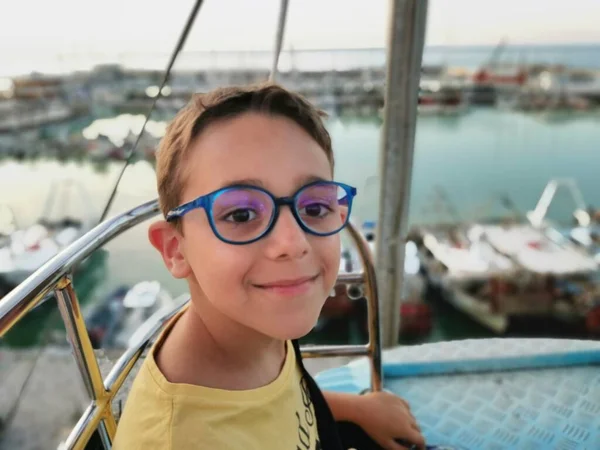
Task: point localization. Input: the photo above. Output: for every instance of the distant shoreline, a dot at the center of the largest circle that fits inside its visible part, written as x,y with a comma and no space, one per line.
581,55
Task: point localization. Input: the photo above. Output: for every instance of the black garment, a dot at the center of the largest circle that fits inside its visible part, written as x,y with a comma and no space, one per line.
333,435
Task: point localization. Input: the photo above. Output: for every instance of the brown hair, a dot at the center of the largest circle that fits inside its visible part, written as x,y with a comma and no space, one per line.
224,103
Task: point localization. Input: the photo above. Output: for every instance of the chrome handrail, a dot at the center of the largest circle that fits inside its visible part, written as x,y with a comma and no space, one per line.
56,275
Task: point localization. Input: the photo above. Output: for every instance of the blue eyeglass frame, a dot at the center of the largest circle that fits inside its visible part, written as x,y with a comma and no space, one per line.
206,201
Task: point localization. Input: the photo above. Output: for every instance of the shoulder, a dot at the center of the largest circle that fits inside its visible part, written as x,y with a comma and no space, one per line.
147,417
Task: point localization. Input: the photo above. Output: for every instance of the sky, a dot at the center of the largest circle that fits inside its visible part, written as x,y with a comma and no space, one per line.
34,31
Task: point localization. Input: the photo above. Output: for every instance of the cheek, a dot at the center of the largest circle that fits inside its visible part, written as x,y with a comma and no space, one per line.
219,268
328,251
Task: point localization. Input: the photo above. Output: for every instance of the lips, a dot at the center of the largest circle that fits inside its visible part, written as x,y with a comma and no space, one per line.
288,283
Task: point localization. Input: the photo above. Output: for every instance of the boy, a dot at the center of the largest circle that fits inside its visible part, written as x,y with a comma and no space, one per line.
252,221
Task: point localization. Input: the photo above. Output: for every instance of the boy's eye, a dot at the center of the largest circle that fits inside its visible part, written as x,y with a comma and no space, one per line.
314,210
240,216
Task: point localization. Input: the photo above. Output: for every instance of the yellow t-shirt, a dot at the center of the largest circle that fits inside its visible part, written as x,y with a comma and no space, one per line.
169,416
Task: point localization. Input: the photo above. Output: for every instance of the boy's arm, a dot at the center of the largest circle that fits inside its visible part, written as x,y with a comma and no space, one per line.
343,406
383,416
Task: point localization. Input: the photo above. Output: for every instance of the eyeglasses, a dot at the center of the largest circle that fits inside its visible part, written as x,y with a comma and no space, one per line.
243,214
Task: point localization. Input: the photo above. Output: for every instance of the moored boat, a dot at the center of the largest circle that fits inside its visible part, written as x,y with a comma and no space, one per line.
26,249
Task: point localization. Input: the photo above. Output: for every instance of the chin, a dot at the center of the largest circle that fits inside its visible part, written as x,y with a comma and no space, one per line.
291,327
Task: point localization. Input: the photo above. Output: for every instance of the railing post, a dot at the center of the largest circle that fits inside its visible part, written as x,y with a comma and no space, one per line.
374,346
406,37
83,352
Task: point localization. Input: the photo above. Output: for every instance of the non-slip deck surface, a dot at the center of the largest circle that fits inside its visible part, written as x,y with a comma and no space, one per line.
494,394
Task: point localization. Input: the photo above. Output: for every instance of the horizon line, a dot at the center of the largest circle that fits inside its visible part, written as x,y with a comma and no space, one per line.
329,49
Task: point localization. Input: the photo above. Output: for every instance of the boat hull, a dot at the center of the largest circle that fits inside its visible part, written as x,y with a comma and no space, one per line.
478,311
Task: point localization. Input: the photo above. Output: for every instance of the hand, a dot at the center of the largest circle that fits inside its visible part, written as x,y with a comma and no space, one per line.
386,417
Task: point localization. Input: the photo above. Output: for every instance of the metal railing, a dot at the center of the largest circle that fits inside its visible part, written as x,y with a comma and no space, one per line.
56,275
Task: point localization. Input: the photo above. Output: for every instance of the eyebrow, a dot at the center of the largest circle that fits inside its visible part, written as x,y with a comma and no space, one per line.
245,181
258,183
310,179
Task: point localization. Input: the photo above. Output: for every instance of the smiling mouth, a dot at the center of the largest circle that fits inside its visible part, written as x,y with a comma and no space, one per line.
289,283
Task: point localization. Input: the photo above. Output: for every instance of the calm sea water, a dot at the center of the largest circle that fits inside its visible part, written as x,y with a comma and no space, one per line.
474,157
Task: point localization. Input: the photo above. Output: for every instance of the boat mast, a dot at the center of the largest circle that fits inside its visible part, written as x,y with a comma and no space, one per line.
406,39
279,39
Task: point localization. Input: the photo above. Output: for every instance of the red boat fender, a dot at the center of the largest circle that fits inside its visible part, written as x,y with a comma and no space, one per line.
416,319
496,290
592,321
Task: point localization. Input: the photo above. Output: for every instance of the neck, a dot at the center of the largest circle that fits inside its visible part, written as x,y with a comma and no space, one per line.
229,341
223,354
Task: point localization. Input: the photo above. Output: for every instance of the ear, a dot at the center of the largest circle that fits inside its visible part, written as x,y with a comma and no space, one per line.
165,238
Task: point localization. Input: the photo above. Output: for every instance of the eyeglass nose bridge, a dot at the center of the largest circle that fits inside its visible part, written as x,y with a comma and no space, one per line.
282,201
286,201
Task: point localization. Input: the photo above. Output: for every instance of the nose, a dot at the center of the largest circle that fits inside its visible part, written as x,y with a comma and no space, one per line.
287,240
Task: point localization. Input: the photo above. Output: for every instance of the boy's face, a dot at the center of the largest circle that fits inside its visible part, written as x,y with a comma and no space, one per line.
258,285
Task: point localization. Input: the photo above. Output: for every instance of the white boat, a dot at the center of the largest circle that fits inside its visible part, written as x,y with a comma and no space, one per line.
8,224
454,259
143,301
586,230
117,320
497,272
539,251
26,249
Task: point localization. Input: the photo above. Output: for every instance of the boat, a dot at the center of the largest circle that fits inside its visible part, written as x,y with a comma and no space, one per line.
493,81
482,94
102,148
27,249
511,272
35,113
584,230
113,321
437,97
104,317
415,315
500,274
348,302
8,224
472,394
458,264
575,89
